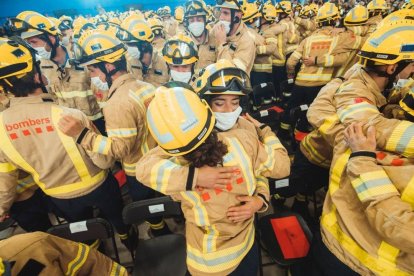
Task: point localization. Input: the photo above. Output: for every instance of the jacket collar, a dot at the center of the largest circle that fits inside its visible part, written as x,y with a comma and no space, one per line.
119,82
31,99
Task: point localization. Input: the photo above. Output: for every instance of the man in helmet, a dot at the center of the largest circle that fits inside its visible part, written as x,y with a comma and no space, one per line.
68,83
233,40
158,30
144,62
314,74
195,20
180,54
169,23
305,22
128,139
73,178
377,9
179,17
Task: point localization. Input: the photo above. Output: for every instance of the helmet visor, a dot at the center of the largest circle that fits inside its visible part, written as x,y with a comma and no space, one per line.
178,49
229,79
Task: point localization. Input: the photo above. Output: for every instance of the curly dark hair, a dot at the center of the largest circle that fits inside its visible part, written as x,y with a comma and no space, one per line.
209,153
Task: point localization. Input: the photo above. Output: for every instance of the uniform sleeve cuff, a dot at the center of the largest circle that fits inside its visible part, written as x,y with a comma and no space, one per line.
363,153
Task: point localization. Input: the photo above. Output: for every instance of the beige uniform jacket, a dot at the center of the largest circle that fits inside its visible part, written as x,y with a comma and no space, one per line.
158,44
55,256
156,74
334,50
276,37
71,86
305,27
125,116
240,49
206,50
32,142
170,27
262,62
291,33
215,246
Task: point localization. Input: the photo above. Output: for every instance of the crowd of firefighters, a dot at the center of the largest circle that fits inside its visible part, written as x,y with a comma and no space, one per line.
175,102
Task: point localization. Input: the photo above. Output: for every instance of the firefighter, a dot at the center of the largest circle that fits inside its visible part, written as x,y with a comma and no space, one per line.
180,54
233,40
41,253
195,20
144,62
69,84
179,17
305,22
128,139
159,35
169,23
196,144
74,179
377,9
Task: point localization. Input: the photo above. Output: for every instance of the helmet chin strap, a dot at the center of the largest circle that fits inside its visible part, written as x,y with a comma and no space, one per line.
391,77
53,46
108,74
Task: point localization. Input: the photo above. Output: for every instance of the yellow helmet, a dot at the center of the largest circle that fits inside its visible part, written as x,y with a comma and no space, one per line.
224,78
250,12
30,23
229,4
356,16
179,14
195,8
375,5
408,5
268,11
67,20
327,12
59,24
80,27
16,59
134,29
396,16
407,102
95,46
180,50
298,7
156,26
184,123
389,45
314,7
284,7
307,12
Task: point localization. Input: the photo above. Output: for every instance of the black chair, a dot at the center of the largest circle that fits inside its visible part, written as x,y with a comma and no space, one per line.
270,244
164,255
91,229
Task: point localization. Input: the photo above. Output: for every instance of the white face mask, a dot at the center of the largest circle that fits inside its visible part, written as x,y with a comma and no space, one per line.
226,25
99,83
296,13
196,28
41,51
225,121
257,23
65,41
402,82
133,52
180,76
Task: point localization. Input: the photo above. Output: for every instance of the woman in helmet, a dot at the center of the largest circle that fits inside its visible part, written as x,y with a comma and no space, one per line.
180,54
218,243
144,62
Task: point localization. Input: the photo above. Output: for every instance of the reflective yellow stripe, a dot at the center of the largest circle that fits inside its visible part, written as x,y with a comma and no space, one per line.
328,123
270,144
142,94
338,169
271,40
373,184
95,244
296,55
200,212
262,67
402,139
285,126
74,94
118,270
7,167
220,260
241,159
210,239
291,48
314,77
160,175
129,168
102,145
96,116
329,60
261,49
24,184
387,252
79,260
157,226
357,108
408,193
379,266
122,132
314,154
280,50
